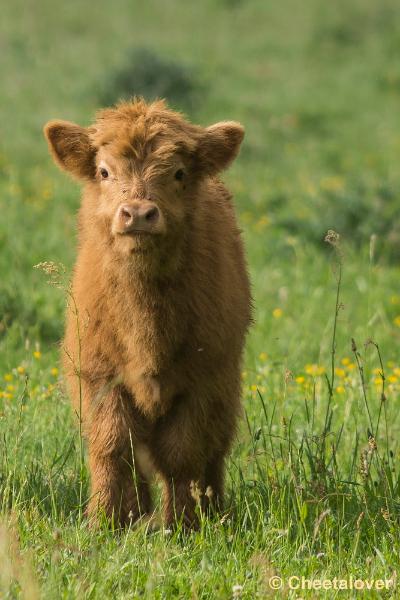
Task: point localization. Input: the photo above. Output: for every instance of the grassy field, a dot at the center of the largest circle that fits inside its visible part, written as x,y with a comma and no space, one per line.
314,478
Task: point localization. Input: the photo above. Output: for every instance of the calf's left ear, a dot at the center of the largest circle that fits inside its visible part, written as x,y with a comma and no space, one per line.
219,146
71,148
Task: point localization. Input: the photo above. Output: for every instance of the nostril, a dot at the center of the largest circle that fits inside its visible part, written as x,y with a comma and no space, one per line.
151,215
126,213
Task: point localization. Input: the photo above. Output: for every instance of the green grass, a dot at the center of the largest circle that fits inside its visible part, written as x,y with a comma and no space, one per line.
317,87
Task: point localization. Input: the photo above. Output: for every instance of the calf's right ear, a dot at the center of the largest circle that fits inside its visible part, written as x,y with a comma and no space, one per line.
71,149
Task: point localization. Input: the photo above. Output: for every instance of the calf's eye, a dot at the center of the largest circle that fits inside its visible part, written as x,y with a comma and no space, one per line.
103,173
179,174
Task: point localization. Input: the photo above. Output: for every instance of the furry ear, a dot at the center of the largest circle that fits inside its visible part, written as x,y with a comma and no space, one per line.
71,149
219,146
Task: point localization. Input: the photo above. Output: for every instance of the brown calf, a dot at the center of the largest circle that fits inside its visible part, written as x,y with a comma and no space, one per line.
155,334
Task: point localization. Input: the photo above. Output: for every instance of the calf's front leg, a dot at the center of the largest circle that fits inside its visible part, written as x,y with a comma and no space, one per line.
119,488
180,450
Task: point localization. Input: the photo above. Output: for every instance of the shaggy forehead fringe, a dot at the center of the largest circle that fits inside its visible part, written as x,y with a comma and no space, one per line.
137,127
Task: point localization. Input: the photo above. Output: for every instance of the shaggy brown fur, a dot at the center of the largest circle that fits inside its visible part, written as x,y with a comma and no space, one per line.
154,338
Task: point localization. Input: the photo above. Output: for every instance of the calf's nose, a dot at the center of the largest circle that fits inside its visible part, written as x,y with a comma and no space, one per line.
138,217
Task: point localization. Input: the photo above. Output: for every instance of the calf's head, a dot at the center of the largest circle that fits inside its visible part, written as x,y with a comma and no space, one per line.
142,165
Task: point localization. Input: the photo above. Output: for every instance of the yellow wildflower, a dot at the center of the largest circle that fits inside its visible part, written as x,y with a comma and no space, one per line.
392,379
340,372
54,371
263,356
300,379
10,388
313,369
340,389
396,321
253,387
8,377
7,395
277,313
396,371
345,361
37,354
21,370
